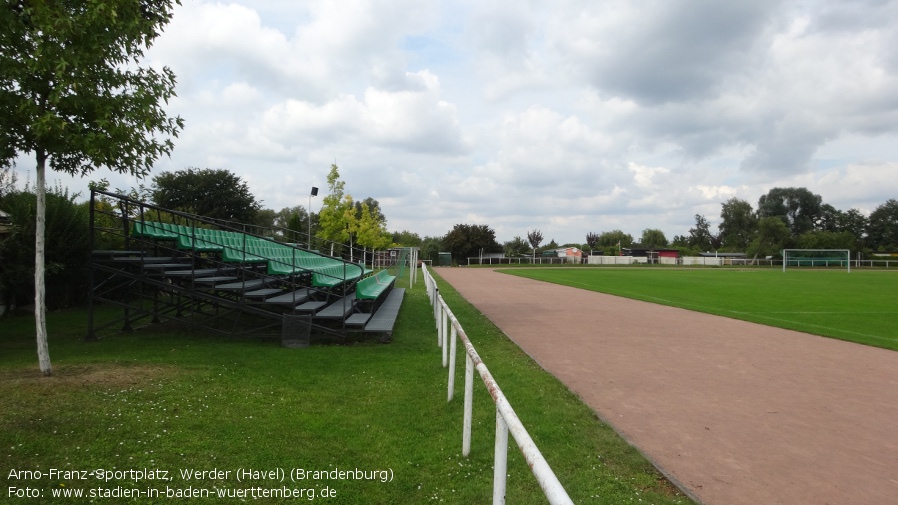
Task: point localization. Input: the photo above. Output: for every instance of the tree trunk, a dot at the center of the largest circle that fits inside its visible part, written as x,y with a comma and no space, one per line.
40,304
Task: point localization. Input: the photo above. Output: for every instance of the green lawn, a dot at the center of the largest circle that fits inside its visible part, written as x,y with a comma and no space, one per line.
861,306
159,399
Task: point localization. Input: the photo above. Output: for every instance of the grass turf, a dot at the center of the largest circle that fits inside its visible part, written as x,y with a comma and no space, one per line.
156,399
860,306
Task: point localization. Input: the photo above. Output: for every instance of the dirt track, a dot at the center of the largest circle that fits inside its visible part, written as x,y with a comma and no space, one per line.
734,412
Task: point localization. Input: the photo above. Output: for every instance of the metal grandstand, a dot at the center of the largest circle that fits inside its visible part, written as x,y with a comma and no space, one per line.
162,266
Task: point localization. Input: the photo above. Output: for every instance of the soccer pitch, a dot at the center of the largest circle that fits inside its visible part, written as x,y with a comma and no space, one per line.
861,306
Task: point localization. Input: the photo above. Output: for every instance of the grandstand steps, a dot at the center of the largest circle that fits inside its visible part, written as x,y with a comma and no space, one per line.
263,293
358,319
189,270
313,307
213,280
383,320
247,285
292,298
339,309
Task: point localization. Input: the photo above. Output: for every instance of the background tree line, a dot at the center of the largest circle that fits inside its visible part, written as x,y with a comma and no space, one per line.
784,218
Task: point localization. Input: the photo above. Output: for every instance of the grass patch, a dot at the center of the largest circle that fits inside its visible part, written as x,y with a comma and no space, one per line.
860,306
157,399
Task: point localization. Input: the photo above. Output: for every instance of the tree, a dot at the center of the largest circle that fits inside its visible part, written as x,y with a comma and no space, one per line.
515,247
371,227
467,240
73,94
798,208
534,237
830,218
430,249
827,240
217,194
773,236
8,179
592,240
882,229
67,254
335,210
855,222
264,218
700,236
653,239
616,239
406,238
738,225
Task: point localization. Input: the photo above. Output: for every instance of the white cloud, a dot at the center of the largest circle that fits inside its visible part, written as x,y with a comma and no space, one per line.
569,117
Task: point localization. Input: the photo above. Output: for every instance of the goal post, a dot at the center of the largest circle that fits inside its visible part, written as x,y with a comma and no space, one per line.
817,258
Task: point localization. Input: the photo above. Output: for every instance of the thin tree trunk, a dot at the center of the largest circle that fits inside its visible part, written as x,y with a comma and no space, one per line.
40,304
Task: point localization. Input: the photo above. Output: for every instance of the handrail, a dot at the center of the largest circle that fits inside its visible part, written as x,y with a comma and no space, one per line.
506,418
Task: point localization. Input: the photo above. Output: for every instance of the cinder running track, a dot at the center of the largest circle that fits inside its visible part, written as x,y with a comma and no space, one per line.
733,412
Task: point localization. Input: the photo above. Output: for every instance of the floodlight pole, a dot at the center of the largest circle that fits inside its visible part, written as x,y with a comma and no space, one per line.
309,236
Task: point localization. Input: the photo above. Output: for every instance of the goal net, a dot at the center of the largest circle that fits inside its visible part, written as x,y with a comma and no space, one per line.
822,258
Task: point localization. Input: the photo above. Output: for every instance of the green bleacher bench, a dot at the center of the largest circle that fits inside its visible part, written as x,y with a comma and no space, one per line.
335,275
153,230
371,288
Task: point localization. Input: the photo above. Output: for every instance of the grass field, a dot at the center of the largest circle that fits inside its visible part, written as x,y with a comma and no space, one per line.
861,306
162,399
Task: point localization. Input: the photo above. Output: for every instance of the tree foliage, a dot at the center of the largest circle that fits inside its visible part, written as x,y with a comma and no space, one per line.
614,238
73,94
773,236
406,238
66,255
827,240
700,236
371,226
883,226
515,247
431,248
739,224
592,240
466,241
218,194
653,239
8,179
798,208
72,90
335,208
534,237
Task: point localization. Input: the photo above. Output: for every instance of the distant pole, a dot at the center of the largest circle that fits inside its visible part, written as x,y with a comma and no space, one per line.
313,193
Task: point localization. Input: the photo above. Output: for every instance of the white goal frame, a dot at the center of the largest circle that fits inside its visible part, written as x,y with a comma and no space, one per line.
847,253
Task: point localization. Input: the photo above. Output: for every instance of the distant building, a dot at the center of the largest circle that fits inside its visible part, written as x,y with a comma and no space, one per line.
570,254
665,256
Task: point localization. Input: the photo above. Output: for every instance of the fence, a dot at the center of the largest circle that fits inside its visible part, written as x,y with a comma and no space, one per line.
506,419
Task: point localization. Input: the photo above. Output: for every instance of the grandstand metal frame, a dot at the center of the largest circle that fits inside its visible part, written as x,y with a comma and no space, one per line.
181,279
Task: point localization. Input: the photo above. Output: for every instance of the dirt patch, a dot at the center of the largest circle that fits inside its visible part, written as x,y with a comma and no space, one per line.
106,375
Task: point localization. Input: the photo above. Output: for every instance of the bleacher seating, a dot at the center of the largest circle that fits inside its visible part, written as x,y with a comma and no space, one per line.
217,277
372,287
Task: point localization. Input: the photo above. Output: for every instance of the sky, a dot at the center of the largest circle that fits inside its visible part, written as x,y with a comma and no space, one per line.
568,117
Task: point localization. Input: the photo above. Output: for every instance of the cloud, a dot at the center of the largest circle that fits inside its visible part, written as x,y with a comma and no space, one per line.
569,117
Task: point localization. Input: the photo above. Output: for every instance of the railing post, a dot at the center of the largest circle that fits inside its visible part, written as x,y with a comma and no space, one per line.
453,338
500,460
469,406
439,317
444,320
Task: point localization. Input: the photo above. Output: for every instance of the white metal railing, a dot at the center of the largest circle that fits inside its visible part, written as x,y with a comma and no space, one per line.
506,419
